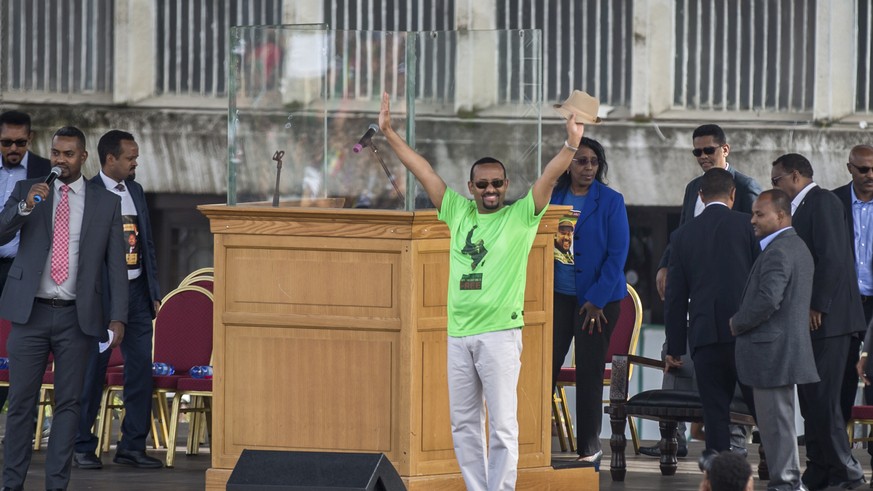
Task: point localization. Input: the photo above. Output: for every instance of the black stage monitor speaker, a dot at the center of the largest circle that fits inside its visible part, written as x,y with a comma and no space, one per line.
314,471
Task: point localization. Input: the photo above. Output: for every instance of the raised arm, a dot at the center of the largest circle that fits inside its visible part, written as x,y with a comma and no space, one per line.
542,188
421,168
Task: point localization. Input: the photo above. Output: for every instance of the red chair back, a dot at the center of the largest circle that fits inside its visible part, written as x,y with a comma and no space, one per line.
5,329
183,329
205,283
626,333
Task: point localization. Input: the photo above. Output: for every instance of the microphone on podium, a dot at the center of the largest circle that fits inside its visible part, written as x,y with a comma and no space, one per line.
49,179
365,140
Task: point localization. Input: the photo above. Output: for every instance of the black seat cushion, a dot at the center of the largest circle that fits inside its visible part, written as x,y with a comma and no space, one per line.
664,400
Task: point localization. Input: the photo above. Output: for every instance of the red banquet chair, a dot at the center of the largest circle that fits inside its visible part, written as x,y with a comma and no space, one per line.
183,338
624,341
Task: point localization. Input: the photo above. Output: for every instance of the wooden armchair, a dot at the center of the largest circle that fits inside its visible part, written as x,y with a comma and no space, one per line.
668,407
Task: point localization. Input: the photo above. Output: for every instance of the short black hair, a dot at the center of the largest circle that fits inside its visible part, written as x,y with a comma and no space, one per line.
729,471
712,130
110,144
716,182
486,160
795,162
72,131
779,198
15,118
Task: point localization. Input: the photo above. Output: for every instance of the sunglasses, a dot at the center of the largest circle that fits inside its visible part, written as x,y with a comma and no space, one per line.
585,161
497,183
697,152
862,170
774,180
9,143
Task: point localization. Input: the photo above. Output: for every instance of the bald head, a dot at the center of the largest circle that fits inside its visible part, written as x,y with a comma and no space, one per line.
860,166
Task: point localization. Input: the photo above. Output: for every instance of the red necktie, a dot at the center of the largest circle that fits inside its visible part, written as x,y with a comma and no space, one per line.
61,239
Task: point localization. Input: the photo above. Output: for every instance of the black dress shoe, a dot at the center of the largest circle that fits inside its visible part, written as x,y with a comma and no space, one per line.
136,458
857,483
86,460
655,451
706,458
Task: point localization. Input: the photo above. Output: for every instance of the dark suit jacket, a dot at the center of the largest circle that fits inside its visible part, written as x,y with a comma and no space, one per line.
845,195
710,262
146,243
746,194
101,243
37,166
773,348
820,221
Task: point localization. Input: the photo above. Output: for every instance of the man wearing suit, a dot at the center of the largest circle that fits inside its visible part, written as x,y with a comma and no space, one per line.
857,199
711,149
773,349
70,231
118,153
710,262
835,316
18,163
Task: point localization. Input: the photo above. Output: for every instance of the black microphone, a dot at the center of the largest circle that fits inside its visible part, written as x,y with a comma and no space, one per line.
365,140
49,179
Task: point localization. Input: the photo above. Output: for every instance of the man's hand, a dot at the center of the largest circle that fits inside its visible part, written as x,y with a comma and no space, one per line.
40,189
574,131
592,316
814,320
117,329
860,366
157,306
385,114
661,282
670,362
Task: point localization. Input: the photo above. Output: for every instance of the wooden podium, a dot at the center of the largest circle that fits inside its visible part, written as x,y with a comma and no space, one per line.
330,335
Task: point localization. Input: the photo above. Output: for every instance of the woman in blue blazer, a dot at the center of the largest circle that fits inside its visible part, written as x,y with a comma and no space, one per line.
590,251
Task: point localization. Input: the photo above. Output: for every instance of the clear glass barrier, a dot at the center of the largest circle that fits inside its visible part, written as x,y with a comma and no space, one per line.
308,94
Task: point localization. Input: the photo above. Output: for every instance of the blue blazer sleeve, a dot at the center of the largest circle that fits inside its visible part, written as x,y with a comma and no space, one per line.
610,285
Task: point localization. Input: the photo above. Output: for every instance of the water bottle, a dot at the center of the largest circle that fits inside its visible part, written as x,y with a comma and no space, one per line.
4,364
201,371
162,369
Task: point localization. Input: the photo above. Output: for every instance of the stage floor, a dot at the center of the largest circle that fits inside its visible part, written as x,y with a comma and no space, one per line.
189,474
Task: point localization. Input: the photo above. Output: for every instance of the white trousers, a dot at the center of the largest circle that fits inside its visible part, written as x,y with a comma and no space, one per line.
483,369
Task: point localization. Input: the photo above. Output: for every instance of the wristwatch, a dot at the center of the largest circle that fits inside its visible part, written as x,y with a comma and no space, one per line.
22,207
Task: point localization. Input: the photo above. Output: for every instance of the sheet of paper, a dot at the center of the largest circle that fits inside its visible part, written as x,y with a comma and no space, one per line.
105,346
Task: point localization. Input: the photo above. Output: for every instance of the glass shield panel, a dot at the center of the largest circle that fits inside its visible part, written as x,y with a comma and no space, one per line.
309,95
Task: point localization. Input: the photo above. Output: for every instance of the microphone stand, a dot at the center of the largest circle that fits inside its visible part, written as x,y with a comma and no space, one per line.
278,158
375,152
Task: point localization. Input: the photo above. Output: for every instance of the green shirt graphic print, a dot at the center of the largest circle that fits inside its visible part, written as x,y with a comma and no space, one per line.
487,263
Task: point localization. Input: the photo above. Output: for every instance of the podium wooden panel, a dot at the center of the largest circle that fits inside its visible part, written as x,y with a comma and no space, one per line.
330,335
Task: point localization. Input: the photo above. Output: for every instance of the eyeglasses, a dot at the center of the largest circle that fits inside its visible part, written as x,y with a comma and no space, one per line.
697,152
862,170
9,143
497,183
775,179
585,161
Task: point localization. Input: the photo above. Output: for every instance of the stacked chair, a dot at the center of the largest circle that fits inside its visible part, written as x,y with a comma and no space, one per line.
183,339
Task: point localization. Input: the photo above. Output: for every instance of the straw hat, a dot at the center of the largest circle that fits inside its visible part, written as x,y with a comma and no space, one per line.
583,105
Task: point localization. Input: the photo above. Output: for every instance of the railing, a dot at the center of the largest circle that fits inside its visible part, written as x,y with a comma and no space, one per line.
192,41
745,55
864,91
58,46
586,45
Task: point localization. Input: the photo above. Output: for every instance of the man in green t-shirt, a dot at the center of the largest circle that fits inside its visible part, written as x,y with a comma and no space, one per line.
490,243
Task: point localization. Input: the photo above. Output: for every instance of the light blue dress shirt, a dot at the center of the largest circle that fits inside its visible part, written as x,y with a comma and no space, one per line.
862,214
